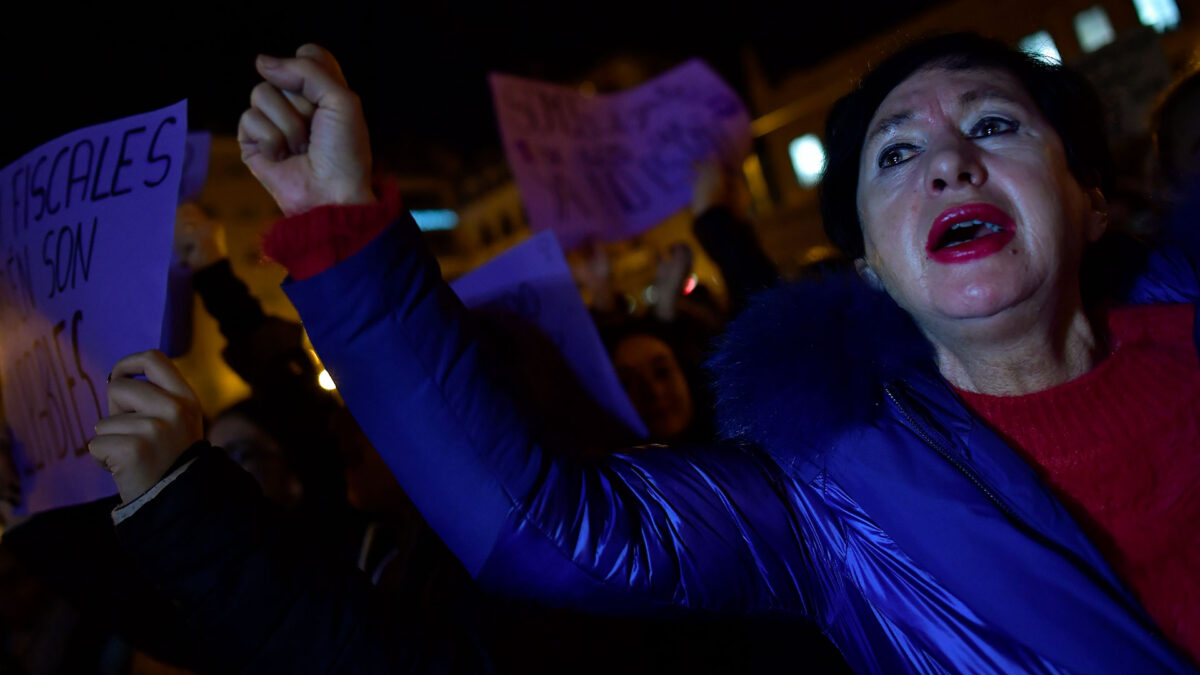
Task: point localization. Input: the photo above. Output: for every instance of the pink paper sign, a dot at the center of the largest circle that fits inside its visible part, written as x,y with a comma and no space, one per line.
86,226
610,166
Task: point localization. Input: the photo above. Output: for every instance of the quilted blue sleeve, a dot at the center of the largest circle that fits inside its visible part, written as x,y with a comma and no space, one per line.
706,527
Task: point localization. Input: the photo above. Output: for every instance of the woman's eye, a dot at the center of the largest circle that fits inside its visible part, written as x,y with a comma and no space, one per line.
993,126
896,154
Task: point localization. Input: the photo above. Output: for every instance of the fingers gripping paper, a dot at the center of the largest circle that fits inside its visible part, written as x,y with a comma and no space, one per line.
86,225
611,166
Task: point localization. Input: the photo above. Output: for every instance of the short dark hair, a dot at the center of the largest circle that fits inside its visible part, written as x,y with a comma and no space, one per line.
1065,98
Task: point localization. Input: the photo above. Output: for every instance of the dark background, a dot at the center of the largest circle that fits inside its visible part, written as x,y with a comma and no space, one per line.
420,68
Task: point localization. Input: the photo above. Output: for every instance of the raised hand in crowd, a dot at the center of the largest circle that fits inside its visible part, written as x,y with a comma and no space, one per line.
595,274
718,185
669,280
304,137
199,239
720,206
150,422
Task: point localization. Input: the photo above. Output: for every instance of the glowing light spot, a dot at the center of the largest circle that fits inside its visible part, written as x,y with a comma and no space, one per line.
1160,15
690,284
326,381
1093,29
808,159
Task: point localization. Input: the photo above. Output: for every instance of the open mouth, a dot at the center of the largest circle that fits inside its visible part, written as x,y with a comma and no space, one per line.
968,232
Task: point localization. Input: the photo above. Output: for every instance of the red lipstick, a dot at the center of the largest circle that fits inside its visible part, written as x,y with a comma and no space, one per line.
969,232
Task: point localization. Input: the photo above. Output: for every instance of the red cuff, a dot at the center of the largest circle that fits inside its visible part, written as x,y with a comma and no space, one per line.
311,242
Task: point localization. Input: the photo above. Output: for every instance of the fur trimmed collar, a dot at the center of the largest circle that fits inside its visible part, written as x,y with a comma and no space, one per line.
808,360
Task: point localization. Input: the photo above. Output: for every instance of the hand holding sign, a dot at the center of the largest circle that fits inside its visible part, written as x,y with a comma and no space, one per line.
150,423
304,137
85,242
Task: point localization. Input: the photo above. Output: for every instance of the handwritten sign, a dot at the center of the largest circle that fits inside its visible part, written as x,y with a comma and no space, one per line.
86,225
611,166
533,281
195,165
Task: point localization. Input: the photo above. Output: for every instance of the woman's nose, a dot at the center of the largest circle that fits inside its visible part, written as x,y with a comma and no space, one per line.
954,164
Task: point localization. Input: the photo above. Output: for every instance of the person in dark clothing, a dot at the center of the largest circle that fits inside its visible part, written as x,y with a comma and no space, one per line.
295,441
267,352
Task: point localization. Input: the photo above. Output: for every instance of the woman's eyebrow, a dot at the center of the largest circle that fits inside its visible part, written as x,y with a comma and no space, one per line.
985,94
888,124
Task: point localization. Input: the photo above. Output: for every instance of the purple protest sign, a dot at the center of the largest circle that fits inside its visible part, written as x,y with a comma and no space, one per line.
177,315
532,280
195,165
610,166
86,225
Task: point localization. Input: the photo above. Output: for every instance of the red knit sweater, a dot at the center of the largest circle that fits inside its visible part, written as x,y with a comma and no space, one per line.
1120,446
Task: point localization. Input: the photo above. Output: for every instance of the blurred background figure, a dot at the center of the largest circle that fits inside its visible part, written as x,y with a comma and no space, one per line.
650,372
309,457
1176,127
721,208
286,433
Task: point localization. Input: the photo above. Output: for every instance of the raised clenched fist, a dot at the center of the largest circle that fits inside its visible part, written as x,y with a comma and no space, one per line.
304,137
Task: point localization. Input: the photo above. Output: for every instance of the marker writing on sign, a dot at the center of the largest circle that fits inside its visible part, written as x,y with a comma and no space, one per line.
611,179
17,302
85,171
70,260
58,403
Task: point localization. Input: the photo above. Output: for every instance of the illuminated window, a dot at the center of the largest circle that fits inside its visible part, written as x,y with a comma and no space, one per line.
1041,45
1158,14
808,159
435,219
1093,29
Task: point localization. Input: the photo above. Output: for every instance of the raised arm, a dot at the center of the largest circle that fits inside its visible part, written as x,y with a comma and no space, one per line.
706,528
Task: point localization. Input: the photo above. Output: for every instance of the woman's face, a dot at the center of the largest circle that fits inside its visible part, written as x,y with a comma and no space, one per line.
259,454
967,204
656,385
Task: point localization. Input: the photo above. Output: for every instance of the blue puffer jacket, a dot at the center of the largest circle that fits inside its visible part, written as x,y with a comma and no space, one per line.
856,490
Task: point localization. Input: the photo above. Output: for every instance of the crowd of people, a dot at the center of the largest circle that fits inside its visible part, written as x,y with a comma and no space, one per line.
970,445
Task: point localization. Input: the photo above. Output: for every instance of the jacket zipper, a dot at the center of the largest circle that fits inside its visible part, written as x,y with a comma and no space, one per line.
946,454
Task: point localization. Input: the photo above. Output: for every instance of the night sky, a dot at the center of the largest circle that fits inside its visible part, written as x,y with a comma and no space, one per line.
420,69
